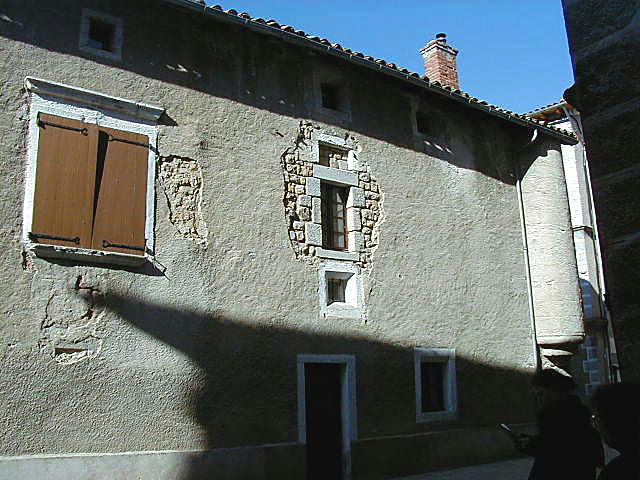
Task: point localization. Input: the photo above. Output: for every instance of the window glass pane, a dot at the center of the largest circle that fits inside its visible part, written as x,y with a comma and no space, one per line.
432,383
339,241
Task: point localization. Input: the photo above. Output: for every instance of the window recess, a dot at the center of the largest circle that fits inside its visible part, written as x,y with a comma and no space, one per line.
90,187
435,381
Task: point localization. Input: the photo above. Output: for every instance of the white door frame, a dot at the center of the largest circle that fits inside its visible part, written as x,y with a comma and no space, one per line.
348,402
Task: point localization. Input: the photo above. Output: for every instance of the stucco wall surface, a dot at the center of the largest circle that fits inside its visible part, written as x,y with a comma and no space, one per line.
197,350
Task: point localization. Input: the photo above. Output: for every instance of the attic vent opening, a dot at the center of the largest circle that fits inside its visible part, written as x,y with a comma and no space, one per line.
101,35
422,123
330,96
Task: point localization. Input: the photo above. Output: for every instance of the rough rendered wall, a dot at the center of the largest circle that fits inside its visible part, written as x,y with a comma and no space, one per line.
197,350
604,39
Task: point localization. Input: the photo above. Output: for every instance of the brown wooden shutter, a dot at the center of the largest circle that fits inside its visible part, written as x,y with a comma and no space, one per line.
65,178
121,192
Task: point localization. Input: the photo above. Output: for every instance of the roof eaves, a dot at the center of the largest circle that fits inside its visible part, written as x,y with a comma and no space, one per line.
290,34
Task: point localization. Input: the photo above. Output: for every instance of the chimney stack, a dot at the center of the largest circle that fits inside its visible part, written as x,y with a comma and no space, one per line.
440,61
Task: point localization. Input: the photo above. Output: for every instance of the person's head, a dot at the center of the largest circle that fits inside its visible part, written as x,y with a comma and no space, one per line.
618,415
550,387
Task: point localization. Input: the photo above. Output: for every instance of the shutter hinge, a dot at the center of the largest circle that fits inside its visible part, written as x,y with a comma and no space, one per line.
124,140
107,244
33,236
83,130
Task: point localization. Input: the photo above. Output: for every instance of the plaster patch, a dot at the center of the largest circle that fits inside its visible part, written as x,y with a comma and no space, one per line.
71,330
182,182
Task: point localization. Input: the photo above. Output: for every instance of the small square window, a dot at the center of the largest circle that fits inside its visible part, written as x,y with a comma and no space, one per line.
435,377
101,35
330,96
336,288
422,123
333,157
341,290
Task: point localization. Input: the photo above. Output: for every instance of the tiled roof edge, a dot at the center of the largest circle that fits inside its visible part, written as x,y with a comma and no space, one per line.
292,35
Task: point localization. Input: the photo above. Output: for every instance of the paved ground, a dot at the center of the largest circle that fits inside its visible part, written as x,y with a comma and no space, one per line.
507,470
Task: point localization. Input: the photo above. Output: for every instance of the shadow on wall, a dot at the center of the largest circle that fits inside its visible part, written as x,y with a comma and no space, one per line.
246,395
229,61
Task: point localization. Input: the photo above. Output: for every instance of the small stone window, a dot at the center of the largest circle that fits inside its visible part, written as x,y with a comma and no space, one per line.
435,377
336,288
330,96
101,34
422,123
341,292
333,157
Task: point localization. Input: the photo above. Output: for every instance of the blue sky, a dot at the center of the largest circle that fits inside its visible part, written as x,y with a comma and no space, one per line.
513,53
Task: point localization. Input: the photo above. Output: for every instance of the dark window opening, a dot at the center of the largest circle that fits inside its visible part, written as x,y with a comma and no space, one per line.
330,157
334,217
336,290
330,96
422,123
432,385
101,35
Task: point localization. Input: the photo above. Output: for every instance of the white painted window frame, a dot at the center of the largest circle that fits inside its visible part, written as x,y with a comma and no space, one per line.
85,24
348,403
95,108
446,356
354,295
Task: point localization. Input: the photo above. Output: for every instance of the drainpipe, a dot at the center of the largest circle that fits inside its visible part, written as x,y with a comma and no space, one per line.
525,246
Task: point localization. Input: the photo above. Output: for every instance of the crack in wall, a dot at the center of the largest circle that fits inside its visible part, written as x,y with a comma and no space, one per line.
71,329
182,184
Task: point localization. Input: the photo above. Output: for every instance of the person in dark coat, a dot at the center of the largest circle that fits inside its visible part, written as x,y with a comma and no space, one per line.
566,445
618,418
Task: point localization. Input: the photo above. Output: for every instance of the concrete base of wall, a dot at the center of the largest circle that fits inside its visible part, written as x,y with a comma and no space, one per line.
249,463
375,458
383,458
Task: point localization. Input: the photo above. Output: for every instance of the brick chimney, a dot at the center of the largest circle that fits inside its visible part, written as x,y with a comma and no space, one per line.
440,61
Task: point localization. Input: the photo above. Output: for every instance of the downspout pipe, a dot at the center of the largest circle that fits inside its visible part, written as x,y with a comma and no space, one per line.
525,245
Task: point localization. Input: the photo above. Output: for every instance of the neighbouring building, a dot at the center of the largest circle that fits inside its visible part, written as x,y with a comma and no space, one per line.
604,41
235,250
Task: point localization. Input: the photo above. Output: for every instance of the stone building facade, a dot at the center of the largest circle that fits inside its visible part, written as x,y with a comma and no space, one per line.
604,40
235,250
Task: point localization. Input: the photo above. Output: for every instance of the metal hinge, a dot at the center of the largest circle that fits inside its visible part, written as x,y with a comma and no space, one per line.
83,130
34,236
124,140
107,244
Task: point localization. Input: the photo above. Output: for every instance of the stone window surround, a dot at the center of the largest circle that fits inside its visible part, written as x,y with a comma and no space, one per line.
85,24
104,110
447,356
344,178
354,293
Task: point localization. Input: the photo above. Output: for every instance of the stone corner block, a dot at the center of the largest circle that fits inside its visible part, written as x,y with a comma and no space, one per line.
313,187
356,241
313,233
353,219
304,201
356,198
316,210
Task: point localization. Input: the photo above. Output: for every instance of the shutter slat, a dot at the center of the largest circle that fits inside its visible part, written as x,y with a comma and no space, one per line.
120,212
65,179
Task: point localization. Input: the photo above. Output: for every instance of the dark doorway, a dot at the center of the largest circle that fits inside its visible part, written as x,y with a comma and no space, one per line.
323,412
